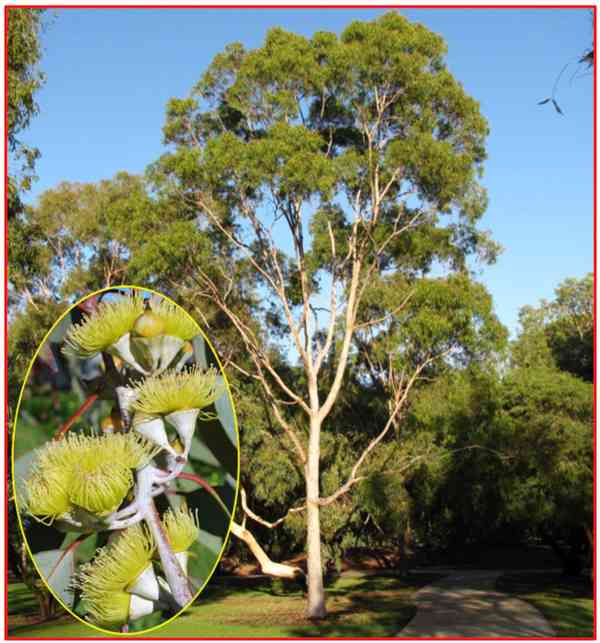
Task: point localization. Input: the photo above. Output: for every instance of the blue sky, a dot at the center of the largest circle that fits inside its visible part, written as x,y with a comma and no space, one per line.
111,72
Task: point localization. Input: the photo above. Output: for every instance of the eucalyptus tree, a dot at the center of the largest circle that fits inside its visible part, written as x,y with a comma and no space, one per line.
24,79
334,168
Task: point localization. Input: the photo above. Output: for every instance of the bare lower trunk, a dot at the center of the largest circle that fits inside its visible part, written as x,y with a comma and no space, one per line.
316,593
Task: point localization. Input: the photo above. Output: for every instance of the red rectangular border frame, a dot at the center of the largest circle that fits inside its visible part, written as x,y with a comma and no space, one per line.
594,10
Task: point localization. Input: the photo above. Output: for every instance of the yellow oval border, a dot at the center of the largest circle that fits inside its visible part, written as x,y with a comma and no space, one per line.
12,456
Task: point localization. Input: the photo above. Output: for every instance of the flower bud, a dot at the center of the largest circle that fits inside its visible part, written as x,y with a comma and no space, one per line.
149,324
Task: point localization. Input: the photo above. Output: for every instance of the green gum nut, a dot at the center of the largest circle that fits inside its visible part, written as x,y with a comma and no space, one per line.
149,324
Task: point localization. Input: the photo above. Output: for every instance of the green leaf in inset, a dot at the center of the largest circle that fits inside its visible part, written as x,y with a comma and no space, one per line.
57,567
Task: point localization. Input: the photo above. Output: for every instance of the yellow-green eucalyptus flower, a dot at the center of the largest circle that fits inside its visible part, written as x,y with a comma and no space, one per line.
193,389
47,496
92,472
177,323
181,528
100,487
105,326
110,609
106,583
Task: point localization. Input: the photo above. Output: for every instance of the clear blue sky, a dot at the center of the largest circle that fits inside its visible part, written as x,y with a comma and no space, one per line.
110,73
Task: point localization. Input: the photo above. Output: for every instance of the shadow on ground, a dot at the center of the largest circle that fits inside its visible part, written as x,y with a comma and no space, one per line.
567,602
358,606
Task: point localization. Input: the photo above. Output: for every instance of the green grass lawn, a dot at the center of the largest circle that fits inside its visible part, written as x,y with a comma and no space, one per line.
567,603
359,605
21,601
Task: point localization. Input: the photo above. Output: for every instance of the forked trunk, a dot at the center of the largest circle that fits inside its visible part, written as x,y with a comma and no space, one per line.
316,593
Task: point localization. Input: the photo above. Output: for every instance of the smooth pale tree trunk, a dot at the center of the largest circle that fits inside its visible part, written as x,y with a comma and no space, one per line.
316,593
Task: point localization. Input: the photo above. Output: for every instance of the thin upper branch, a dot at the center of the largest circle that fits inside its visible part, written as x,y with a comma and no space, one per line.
262,521
324,350
399,401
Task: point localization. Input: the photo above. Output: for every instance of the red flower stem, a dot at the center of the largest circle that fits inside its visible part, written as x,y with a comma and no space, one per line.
204,484
59,435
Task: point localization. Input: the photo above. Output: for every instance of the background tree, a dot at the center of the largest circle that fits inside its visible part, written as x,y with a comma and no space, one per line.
548,415
461,502
24,79
538,418
560,333
325,166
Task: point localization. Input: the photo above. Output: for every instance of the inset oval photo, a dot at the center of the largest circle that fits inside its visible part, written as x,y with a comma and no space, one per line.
125,460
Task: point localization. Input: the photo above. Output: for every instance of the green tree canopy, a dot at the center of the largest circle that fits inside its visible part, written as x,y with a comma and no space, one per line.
560,332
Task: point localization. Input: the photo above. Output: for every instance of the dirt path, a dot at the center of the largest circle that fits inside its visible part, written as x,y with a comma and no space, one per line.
466,604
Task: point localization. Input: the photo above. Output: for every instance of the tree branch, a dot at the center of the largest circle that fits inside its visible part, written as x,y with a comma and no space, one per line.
262,521
398,404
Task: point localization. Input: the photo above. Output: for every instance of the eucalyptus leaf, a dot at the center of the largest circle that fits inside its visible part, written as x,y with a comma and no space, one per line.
21,468
86,549
141,351
145,622
211,541
57,567
218,443
225,413
199,451
200,351
201,560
